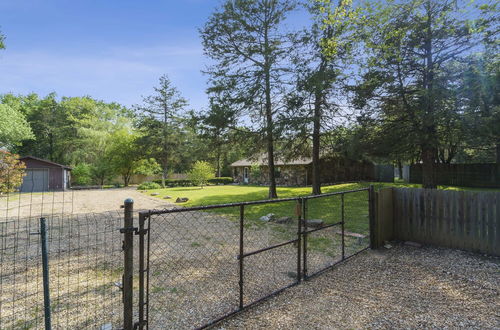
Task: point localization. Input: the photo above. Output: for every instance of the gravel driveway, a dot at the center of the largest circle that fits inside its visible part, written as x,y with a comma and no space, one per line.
403,287
76,202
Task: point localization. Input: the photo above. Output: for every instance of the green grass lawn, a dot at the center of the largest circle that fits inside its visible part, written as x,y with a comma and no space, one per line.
328,209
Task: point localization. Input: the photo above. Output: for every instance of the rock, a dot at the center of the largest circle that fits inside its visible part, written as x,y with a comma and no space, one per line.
388,246
316,223
167,197
268,217
348,233
414,244
155,194
181,200
284,220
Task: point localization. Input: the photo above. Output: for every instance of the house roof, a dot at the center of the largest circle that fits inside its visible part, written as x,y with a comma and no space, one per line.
262,160
45,161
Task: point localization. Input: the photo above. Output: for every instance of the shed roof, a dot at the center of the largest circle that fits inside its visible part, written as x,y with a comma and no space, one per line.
45,161
262,160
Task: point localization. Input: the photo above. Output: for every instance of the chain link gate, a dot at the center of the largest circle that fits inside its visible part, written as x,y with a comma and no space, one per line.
200,265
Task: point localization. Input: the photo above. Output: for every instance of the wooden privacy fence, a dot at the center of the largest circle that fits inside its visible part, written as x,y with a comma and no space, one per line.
457,219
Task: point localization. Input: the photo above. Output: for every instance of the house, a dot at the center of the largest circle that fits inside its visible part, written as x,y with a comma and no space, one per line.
44,175
298,172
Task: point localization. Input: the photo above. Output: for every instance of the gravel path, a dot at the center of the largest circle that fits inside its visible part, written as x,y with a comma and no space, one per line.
403,287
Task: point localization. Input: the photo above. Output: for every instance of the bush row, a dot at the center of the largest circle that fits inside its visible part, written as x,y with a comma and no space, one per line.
148,186
189,183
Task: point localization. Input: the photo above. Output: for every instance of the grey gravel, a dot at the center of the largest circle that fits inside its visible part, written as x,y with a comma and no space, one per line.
403,287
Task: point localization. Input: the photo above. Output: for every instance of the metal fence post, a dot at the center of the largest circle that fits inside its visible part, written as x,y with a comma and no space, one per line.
304,237
242,251
128,266
342,210
299,238
142,270
45,267
371,206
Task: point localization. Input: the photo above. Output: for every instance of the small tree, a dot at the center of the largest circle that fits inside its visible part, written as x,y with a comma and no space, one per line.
82,174
201,173
12,171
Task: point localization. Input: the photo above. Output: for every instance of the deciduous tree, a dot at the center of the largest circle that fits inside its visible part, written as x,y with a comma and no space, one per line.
201,173
14,128
12,171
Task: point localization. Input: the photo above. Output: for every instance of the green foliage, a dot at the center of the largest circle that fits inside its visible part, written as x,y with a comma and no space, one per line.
81,175
2,39
160,124
148,186
147,166
255,172
12,171
102,171
201,173
13,127
176,182
251,52
221,180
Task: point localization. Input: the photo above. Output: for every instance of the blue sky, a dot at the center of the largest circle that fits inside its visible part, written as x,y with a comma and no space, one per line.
108,49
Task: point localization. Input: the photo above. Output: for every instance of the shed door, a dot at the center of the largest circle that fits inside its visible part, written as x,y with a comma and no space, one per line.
36,180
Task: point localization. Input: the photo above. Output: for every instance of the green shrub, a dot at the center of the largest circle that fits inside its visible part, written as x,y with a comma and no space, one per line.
148,186
221,180
176,182
201,172
81,175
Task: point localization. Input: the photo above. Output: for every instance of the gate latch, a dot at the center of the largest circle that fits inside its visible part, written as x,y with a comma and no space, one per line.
127,230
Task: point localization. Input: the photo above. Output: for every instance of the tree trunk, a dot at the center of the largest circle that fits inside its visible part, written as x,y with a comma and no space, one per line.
126,180
270,143
316,174
400,169
218,160
164,176
428,167
269,114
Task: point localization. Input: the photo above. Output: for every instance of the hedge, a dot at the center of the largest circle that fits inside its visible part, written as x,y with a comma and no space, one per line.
189,183
221,180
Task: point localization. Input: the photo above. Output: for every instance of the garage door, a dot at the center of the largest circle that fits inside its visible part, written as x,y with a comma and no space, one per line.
35,180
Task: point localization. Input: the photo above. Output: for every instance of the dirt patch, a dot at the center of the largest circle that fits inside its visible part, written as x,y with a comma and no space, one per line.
403,287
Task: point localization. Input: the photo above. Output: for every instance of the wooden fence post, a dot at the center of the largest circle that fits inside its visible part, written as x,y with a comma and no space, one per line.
371,217
384,216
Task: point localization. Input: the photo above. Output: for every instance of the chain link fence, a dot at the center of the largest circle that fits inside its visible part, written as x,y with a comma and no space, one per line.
204,264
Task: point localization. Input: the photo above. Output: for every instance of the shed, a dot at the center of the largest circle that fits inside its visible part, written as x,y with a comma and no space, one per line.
44,175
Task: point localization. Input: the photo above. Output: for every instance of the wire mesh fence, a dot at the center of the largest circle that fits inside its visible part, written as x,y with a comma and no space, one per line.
84,263
201,264
85,266
204,264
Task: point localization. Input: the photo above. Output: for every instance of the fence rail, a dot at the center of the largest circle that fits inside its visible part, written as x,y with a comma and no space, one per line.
464,220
